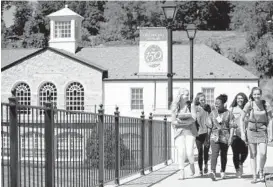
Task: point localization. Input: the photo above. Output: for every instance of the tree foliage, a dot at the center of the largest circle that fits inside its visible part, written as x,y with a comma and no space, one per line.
264,59
251,17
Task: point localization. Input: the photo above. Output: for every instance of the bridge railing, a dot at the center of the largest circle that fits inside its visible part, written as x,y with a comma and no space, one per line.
46,146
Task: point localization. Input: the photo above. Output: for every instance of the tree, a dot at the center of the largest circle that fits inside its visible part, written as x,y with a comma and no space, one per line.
122,19
251,17
23,13
264,59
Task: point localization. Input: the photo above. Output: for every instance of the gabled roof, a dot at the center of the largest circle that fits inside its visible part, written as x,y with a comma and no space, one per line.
12,57
64,12
123,63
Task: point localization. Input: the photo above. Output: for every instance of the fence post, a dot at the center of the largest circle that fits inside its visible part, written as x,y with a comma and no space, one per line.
101,146
49,145
151,141
117,136
142,142
14,150
166,139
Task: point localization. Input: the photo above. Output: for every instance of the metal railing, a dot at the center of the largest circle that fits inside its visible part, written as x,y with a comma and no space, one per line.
46,146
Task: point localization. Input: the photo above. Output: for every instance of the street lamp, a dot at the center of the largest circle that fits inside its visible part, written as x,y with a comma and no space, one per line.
191,32
169,10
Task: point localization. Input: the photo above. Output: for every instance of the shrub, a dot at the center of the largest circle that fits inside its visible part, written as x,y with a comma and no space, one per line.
237,57
264,59
215,45
92,149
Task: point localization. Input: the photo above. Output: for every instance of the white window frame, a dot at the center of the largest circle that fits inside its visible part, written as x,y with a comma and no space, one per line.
210,100
5,145
68,147
70,97
62,29
33,143
131,99
45,90
23,93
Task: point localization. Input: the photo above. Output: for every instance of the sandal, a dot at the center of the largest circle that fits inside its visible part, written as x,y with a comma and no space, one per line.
181,175
254,180
261,175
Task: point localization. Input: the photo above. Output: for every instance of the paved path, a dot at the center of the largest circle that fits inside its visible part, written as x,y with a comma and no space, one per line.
168,176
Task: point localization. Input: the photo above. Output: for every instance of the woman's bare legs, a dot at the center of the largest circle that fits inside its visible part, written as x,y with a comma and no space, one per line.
181,149
189,144
253,163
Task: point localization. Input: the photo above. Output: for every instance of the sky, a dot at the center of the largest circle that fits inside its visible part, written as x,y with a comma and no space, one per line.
8,16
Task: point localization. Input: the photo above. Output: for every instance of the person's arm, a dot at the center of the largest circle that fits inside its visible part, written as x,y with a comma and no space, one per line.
209,126
232,125
242,120
193,111
270,123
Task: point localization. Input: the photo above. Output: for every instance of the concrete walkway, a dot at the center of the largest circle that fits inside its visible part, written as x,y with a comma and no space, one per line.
168,176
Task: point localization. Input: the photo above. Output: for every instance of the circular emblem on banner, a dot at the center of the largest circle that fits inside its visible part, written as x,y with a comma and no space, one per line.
153,55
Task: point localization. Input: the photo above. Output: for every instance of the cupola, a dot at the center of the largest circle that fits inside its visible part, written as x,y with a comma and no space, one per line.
65,29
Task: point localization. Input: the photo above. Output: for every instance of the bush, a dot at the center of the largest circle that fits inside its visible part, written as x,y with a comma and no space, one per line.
215,45
264,59
92,149
251,40
237,57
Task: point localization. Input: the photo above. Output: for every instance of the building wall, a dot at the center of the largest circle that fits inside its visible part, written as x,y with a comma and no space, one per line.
49,66
155,93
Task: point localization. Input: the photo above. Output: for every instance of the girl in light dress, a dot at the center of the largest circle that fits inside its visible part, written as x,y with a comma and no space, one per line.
183,122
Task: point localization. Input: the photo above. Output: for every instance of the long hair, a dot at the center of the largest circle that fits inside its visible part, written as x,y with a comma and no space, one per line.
176,104
253,89
198,95
234,102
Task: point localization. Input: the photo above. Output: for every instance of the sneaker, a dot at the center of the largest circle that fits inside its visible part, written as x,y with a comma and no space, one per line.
212,175
238,173
223,175
201,173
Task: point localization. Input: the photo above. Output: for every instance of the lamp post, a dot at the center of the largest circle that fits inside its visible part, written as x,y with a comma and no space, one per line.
191,31
169,10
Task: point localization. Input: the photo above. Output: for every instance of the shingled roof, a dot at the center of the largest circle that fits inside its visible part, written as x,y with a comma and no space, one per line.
123,62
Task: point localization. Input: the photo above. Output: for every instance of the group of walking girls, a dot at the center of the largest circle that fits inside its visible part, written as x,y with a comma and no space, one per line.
245,125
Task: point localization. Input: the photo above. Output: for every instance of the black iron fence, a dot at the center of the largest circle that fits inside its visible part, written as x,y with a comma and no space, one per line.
46,146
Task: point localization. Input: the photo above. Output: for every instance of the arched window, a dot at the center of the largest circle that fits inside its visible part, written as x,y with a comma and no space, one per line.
22,92
45,91
32,144
75,97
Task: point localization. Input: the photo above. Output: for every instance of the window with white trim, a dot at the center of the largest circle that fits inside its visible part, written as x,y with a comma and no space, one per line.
22,92
209,93
5,152
137,99
45,91
62,29
70,146
75,97
32,145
